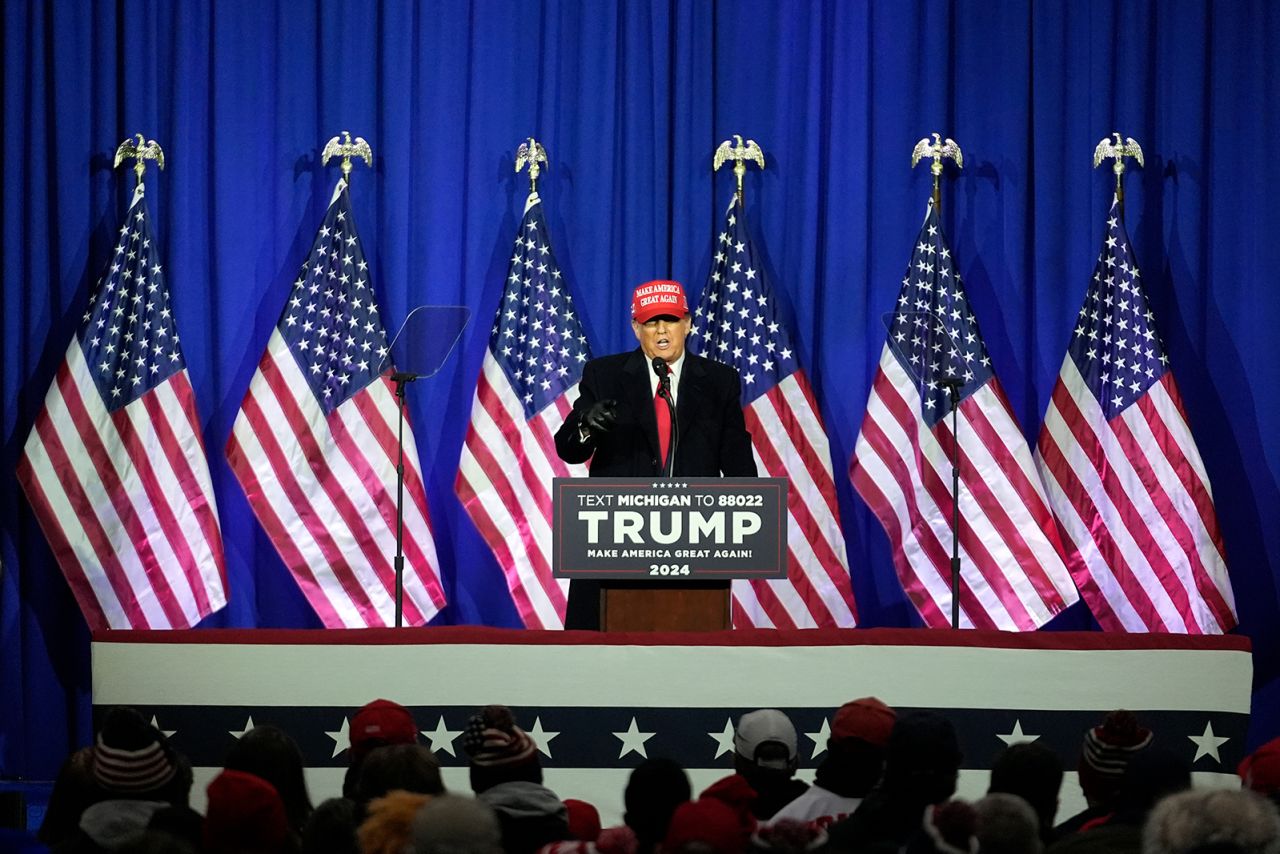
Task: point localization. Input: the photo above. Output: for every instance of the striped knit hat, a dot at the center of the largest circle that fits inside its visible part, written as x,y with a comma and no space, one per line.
130,756
492,738
1108,748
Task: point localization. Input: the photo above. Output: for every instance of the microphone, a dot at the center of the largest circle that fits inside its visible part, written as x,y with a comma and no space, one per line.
663,370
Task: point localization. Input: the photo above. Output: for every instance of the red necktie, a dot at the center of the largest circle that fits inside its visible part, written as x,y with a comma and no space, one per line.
663,412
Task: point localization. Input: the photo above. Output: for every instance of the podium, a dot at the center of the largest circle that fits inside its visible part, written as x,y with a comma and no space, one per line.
663,551
640,606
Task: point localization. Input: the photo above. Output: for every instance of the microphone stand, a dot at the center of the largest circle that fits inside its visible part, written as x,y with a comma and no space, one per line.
401,379
663,370
953,385
675,426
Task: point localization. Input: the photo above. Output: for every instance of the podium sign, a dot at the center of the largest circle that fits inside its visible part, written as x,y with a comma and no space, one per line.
637,529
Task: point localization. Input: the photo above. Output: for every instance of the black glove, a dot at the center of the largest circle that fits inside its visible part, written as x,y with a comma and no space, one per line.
600,417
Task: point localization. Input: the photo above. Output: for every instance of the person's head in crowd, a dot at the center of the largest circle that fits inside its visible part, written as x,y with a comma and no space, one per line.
922,760
1107,750
736,793
584,820
1260,770
449,824
377,724
506,775
765,754
949,828
331,828
1221,821
386,828
764,745
655,788
1150,776
788,836
1007,824
268,752
407,767
705,826
182,823
132,760
860,731
159,842
1033,772
73,792
244,815
498,751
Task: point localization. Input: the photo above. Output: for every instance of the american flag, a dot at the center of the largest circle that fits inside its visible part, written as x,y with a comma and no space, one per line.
115,466
1124,477
314,444
738,323
1012,571
527,386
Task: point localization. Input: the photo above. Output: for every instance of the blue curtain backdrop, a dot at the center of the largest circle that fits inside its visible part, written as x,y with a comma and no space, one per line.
630,100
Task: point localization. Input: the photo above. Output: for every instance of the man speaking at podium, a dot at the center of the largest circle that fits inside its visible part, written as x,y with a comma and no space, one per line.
656,411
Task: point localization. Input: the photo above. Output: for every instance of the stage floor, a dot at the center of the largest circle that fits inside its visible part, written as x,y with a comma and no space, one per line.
598,704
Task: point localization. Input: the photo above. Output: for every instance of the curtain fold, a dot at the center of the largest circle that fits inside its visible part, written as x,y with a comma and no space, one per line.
630,100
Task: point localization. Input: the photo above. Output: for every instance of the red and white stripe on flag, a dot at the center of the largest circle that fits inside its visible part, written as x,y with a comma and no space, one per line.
1012,573
1136,511
790,441
324,489
125,500
527,385
1125,479
504,482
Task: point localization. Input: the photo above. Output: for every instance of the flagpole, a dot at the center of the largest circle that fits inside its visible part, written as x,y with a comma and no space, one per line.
346,148
1117,150
941,150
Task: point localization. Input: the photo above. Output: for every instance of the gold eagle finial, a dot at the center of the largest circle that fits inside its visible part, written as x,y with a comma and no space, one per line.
939,149
1118,150
346,148
739,154
532,153
139,149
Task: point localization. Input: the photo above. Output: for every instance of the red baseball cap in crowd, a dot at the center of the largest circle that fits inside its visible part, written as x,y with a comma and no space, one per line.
867,719
1260,770
381,722
661,296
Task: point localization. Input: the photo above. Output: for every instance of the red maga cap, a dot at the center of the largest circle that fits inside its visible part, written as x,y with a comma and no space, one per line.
867,718
661,296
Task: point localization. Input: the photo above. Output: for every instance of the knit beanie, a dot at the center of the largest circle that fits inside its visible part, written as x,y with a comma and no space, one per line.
130,757
244,814
492,739
1107,751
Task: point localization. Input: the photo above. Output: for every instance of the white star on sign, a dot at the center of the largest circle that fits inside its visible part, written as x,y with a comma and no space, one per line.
819,739
541,737
240,733
442,737
167,733
1208,744
724,739
341,738
1017,735
633,739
